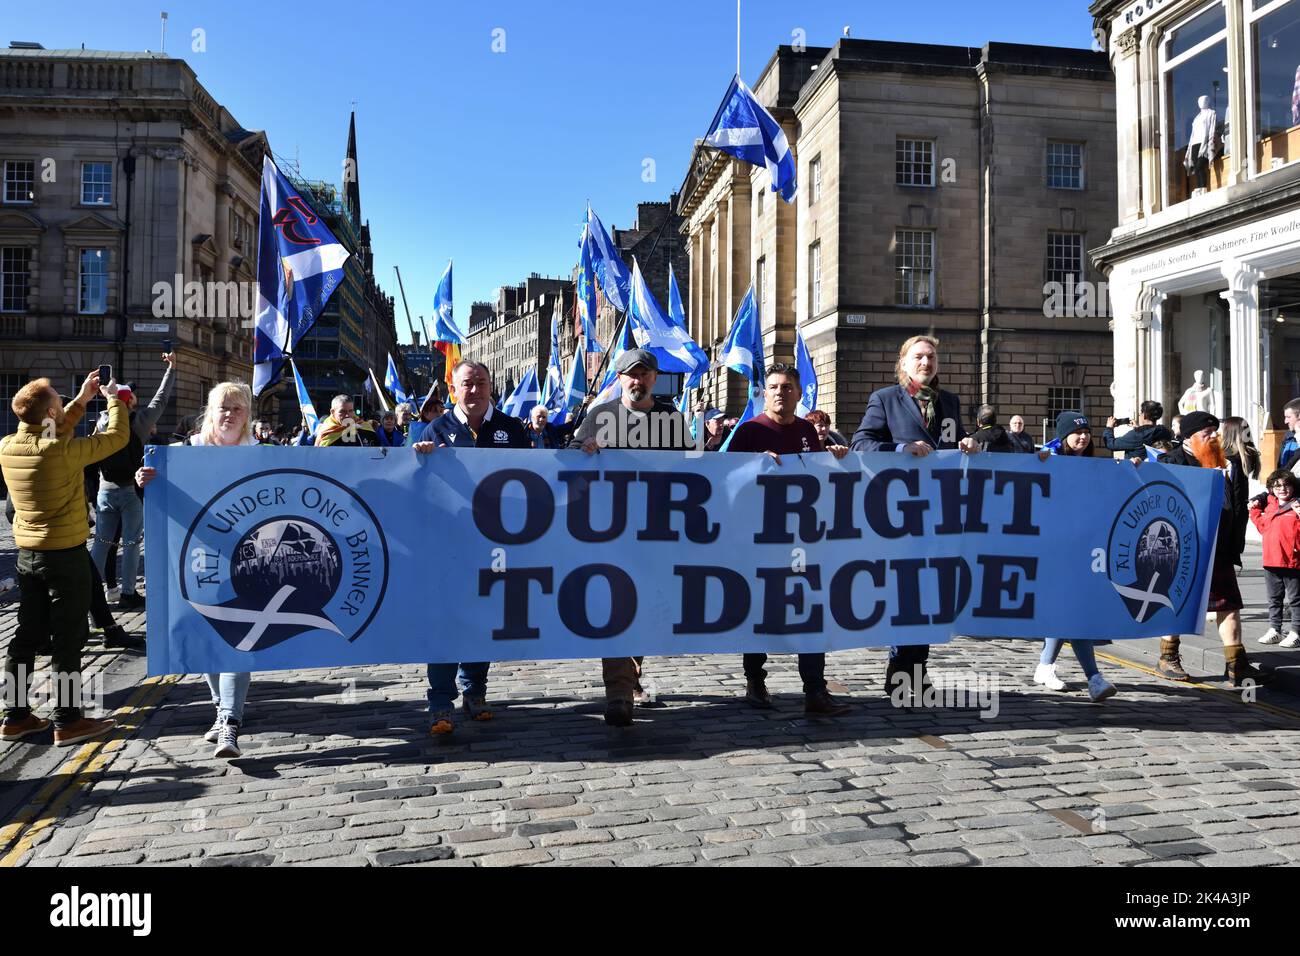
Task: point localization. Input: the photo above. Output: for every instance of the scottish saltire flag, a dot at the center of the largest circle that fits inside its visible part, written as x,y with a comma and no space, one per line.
677,316
523,398
393,383
608,265
574,389
586,295
553,387
304,400
609,387
743,349
299,265
747,131
671,344
807,375
446,336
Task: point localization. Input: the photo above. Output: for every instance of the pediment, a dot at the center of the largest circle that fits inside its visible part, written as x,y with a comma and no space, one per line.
17,221
92,222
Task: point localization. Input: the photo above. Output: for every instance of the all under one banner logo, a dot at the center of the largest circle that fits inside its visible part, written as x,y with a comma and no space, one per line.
283,553
1153,550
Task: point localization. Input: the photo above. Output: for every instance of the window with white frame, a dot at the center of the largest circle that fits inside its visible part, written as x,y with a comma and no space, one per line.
914,268
97,184
815,179
20,181
1064,257
914,162
1273,50
1195,91
93,282
14,277
1064,165
815,279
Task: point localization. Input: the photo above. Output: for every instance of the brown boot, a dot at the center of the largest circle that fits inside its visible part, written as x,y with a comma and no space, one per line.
1239,669
1170,666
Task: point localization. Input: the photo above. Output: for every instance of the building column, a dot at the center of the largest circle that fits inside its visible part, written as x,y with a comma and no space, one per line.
1245,344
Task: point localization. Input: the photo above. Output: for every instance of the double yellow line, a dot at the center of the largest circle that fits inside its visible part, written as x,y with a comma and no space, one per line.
1208,688
44,810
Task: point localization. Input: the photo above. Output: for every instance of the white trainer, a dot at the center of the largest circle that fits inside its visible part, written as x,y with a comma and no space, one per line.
1271,636
214,731
228,741
1292,640
1045,674
113,595
1099,688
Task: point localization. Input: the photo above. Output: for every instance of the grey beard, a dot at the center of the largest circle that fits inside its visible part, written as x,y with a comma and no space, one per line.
637,392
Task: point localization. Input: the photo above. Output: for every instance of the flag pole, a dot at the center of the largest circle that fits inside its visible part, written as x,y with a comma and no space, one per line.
737,37
378,391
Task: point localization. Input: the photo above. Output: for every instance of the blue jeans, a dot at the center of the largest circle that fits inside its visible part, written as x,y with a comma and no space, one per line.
116,506
229,691
1083,653
446,680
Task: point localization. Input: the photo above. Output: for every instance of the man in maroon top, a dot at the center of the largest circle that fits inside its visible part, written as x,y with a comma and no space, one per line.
778,431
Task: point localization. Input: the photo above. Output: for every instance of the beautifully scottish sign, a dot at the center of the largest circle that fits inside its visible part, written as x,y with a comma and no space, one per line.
302,557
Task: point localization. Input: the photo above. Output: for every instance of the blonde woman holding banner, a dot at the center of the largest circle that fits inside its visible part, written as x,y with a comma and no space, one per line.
227,421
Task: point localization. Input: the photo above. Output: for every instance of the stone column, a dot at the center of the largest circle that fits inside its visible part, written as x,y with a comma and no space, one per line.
1245,345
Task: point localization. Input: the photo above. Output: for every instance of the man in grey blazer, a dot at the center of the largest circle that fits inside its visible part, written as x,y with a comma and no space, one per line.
916,417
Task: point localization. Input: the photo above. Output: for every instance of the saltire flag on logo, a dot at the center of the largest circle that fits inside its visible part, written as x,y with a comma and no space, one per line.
747,131
446,337
523,398
304,400
807,375
670,343
586,297
743,352
393,383
299,265
608,265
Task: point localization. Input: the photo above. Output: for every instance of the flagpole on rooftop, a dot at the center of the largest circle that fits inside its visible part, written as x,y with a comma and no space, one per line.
737,37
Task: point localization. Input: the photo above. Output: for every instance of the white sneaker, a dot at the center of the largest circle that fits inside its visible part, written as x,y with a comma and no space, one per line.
1045,674
214,731
228,741
113,595
1271,636
1292,640
1099,688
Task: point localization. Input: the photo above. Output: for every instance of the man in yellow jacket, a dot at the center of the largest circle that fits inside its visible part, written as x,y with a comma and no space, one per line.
43,466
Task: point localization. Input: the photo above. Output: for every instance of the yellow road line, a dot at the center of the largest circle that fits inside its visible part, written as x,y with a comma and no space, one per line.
1208,688
48,805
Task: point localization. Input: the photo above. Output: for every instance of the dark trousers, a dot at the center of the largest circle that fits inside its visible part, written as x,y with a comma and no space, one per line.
55,601
99,612
1283,587
622,676
905,656
812,669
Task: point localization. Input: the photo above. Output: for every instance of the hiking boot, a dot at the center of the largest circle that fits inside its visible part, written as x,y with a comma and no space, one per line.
822,704
1239,671
476,708
1170,666
756,695
441,724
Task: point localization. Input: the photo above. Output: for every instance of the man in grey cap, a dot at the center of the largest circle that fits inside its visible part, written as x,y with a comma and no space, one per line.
635,420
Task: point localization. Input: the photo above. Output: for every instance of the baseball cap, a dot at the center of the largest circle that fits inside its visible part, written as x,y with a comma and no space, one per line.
634,357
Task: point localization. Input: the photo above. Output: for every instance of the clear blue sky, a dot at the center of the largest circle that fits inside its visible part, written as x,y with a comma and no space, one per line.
489,158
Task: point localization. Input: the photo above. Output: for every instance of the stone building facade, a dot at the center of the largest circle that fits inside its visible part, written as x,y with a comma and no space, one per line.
123,181
941,190
1204,265
516,334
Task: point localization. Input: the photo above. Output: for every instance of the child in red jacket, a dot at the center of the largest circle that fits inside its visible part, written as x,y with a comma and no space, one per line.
1278,520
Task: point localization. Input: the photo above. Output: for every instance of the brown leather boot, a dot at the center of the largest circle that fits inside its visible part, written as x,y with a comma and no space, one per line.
1239,668
1170,666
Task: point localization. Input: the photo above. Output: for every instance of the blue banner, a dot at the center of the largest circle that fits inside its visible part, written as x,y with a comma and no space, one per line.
275,558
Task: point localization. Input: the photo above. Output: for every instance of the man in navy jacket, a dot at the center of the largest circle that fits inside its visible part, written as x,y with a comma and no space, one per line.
916,417
472,423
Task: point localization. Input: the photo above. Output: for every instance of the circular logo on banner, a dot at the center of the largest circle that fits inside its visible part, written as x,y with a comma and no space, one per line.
1153,550
284,553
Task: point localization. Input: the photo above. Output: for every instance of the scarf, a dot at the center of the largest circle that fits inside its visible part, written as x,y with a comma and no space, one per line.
332,431
926,397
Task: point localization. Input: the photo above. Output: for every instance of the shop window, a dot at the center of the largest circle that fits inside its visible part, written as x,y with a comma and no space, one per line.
1275,82
1195,87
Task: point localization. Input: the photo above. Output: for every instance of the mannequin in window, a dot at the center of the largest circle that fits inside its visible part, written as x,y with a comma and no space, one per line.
1199,397
1201,147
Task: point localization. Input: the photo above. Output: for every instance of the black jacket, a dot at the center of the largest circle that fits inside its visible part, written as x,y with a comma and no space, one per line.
498,431
1137,439
1231,537
893,418
995,438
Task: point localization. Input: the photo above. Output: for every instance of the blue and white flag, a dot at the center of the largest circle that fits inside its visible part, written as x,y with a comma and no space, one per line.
523,398
609,387
610,269
299,265
1153,454
743,349
747,131
677,316
444,324
393,383
553,387
574,389
670,343
807,375
586,294
304,400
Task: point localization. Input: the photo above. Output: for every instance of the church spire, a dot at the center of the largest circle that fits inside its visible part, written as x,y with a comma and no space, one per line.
351,176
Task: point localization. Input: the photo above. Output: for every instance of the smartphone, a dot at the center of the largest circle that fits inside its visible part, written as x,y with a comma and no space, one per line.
167,346
105,374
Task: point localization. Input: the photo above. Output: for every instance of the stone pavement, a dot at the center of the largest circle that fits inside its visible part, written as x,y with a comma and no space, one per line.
338,771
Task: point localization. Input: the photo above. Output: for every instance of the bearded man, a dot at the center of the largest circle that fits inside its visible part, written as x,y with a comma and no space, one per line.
1201,448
